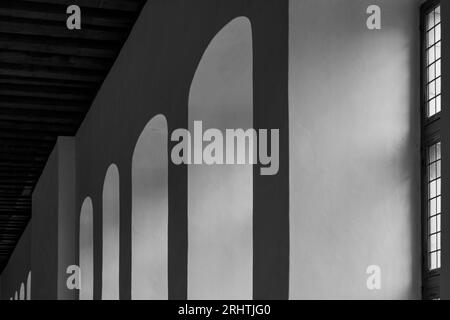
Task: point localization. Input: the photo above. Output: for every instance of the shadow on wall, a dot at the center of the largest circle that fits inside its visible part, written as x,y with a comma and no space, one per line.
182,224
220,218
220,223
149,240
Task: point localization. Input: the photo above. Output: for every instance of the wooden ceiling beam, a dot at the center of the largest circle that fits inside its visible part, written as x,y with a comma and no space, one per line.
50,128
13,222
44,92
46,104
45,44
48,79
15,200
47,82
14,209
32,151
57,13
20,165
15,205
57,30
57,118
7,142
55,60
122,5
29,70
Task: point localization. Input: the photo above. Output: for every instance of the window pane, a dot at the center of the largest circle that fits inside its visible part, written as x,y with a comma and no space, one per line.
432,153
432,209
438,50
438,168
433,246
430,20
438,241
437,33
432,62
438,85
430,38
433,224
438,205
431,55
437,15
433,261
434,205
432,189
431,72
432,107
438,104
432,171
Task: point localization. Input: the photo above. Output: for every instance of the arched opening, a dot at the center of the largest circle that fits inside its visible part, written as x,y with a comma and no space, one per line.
86,251
111,234
29,286
150,212
22,292
220,197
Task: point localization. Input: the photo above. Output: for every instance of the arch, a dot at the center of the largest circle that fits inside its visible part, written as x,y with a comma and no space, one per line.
111,234
220,197
149,274
29,286
22,292
86,250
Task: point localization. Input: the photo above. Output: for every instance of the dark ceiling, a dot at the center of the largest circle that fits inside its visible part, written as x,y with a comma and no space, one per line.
49,76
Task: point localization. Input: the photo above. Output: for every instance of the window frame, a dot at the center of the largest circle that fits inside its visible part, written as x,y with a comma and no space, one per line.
430,134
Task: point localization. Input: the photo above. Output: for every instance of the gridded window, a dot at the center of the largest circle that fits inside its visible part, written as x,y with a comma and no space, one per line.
431,147
433,61
434,206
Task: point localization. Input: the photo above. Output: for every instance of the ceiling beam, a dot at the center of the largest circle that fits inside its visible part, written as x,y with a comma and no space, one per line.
46,81
14,165
45,44
34,91
66,73
46,104
57,30
55,60
57,13
123,5
37,127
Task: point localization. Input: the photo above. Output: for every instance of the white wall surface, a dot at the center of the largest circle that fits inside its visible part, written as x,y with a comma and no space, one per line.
354,154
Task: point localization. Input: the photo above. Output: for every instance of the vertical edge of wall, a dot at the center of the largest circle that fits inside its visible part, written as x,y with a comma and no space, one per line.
445,139
44,232
53,232
66,214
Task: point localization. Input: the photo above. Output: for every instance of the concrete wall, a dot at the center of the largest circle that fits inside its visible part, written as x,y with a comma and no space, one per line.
153,75
44,246
53,246
354,149
18,267
221,96
352,134
67,219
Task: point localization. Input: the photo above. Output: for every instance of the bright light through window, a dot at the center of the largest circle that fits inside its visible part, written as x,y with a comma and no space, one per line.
433,62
